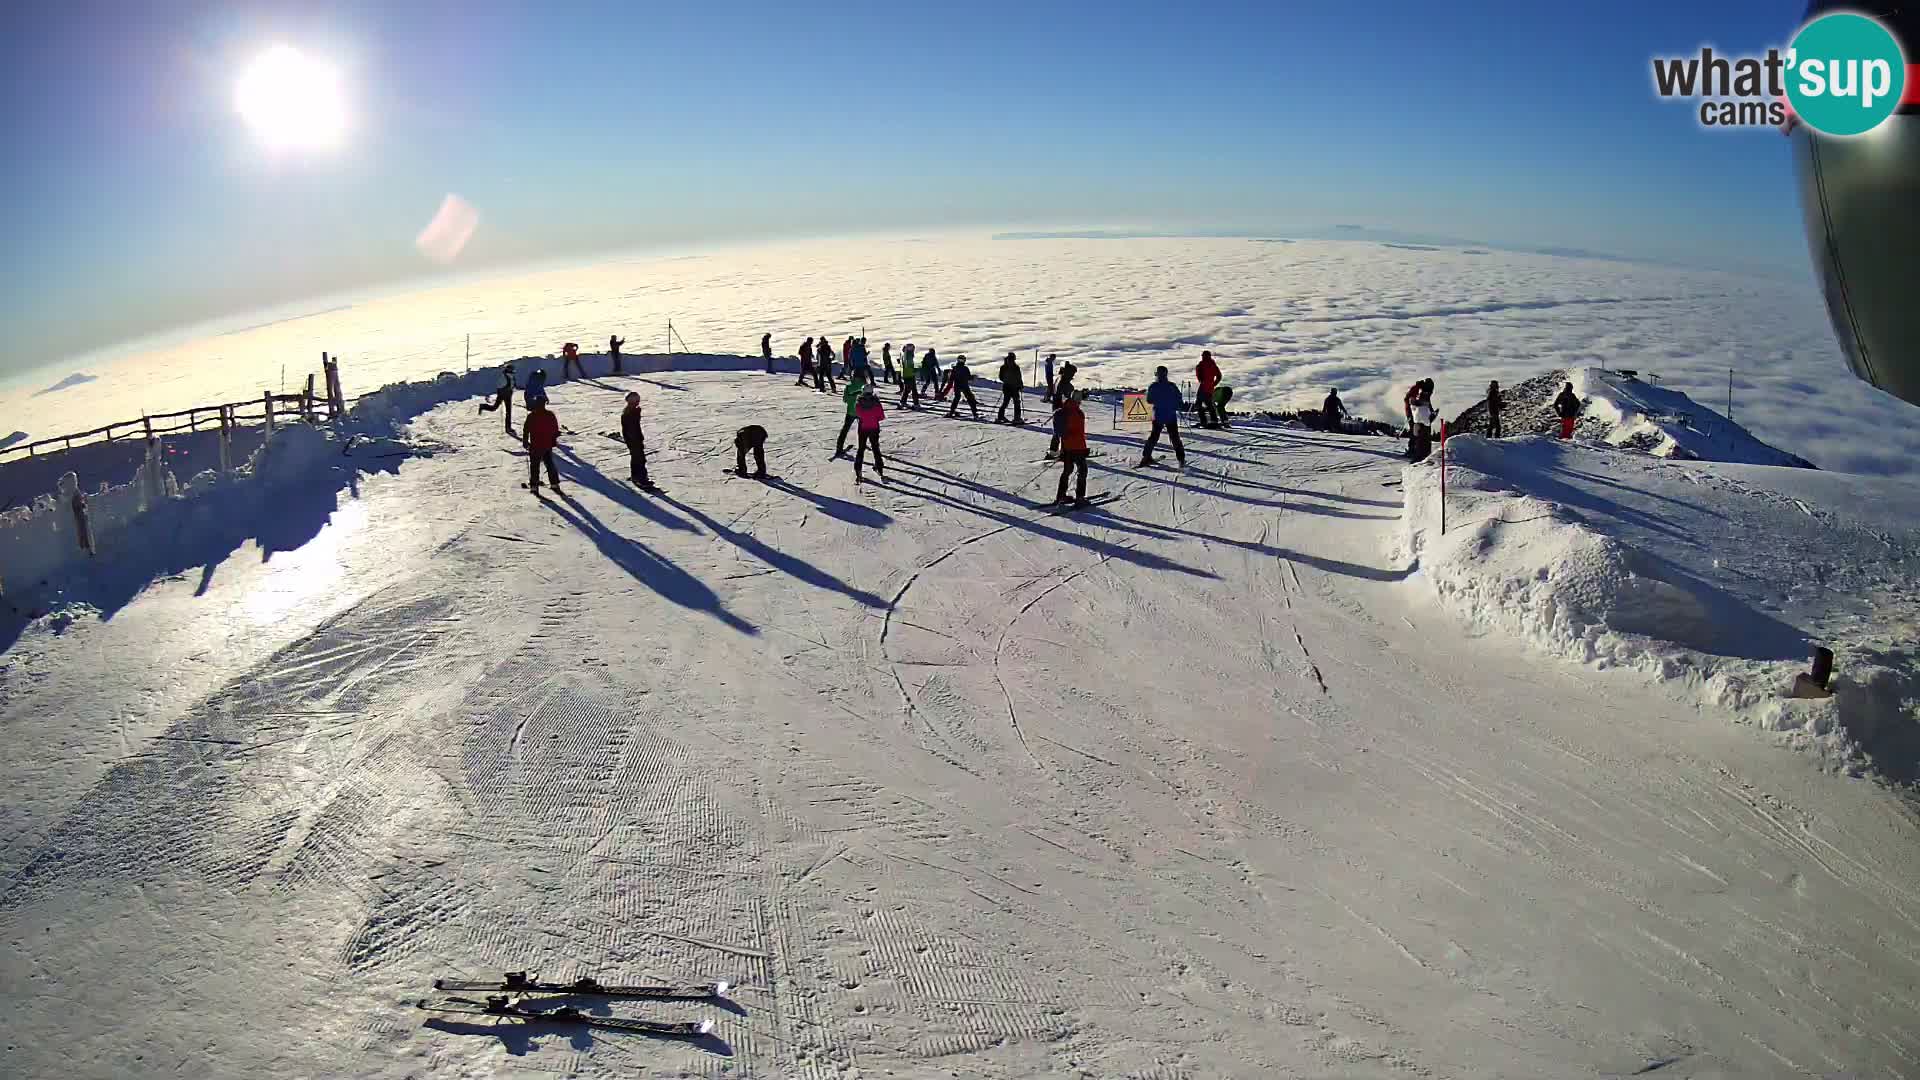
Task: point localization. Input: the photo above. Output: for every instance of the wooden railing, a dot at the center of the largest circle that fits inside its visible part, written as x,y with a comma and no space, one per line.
269,409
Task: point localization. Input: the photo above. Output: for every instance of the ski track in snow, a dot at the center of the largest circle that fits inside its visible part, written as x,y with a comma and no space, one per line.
1174,787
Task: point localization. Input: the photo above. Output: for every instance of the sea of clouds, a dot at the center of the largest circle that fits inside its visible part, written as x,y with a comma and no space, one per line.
1286,320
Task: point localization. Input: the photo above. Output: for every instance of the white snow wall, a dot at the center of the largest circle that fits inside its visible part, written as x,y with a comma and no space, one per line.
39,542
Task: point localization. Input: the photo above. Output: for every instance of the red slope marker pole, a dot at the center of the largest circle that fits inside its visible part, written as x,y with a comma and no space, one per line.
1443,478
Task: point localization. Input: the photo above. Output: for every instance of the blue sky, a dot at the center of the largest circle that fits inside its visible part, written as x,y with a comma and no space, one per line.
136,199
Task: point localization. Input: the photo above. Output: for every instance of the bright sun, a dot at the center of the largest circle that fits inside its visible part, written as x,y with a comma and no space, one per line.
291,100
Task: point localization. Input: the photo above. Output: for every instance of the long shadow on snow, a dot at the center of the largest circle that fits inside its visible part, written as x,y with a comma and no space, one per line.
1124,554
589,476
648,568
780,560
1542,482
1332,566
180,534
517,1037
850,512
1311,508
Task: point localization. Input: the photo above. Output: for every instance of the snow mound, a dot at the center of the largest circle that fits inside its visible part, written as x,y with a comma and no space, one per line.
1617,559
1623,409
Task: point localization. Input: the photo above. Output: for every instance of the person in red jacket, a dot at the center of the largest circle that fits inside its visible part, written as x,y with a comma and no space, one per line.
1208,373
541,433
1071,425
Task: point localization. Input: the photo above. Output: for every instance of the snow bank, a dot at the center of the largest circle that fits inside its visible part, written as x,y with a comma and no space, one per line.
1618,560
1667,423
153,524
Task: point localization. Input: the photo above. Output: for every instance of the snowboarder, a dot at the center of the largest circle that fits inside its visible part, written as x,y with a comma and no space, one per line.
855,387
1010,389
536,388
636,441
613,350
541,433
766,351
1165,399
823,367
1333,411
1495,403
1050,397
752,437
1567,407
930,374
960,384
869,412
1070,429
570,361
806,362
1208,375
909,378
503,395
886,359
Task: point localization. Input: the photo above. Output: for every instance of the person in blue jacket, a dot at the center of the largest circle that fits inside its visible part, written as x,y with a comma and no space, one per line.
1165,399
537,388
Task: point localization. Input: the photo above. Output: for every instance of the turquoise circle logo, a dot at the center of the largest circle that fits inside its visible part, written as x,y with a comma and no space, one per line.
1847,74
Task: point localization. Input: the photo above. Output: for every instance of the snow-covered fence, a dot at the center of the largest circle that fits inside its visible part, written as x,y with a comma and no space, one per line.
267,409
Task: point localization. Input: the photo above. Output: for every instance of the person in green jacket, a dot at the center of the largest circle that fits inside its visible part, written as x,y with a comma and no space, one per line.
909,382
851,395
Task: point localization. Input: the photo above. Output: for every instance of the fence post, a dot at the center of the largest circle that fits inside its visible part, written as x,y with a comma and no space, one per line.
146,422
267,400
1443,478
306,400
226,442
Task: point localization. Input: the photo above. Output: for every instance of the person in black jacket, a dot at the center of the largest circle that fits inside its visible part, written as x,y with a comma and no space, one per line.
806,362
503,396
1010,389
766,351
823,368
752,437
636,442
1567,407
613,349
1332,410
1064,386
1495,404
960,383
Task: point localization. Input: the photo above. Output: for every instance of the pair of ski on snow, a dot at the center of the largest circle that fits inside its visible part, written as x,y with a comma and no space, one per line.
499,1002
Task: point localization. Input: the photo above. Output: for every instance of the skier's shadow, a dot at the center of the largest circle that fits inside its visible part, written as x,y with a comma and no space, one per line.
519,1039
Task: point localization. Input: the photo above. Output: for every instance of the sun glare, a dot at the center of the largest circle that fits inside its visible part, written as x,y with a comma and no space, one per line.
292,101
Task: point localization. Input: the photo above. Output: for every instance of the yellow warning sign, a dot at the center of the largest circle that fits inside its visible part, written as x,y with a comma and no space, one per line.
1135,410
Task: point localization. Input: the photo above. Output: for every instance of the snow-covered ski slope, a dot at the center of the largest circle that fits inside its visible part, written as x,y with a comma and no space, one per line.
1200,783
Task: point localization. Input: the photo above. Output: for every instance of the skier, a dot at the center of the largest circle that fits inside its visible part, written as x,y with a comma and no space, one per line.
1495,403
1070,430
869,412
613,350
846,358
960,384
570,360
503,395
862,366
536,388
636,441
1333,411
930,374
1165,399
823,367
1065,386
541,433
855,387
1407,402
1050,398
1423,417
1208,374
806,362
766,351
886,359
752,437
1222,395
909,378
1567,407
1010,389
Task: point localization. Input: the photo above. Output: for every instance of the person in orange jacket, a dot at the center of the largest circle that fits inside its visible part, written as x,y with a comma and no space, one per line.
570,361
1070,424
1208,373
541,431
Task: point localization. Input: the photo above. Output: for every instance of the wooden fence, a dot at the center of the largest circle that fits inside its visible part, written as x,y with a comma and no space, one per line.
307,407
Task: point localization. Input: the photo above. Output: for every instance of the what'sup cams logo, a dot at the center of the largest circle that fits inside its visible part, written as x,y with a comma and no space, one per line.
1844,74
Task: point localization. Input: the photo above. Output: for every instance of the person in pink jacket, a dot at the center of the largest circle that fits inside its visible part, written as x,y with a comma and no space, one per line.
869,412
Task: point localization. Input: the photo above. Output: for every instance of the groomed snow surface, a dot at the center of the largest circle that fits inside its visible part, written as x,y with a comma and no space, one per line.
1249,772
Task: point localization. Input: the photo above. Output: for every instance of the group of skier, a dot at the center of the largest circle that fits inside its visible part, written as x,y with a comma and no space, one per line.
1420,414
